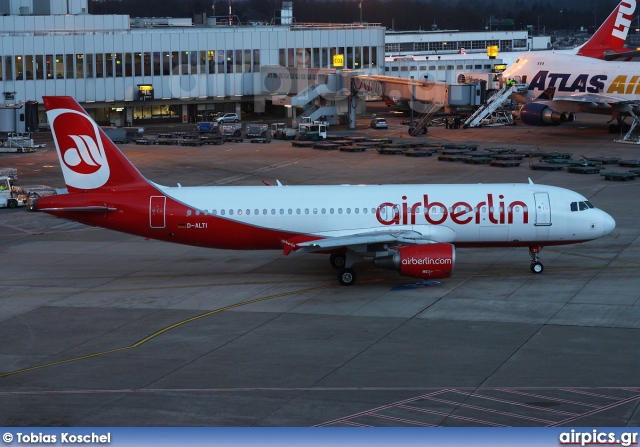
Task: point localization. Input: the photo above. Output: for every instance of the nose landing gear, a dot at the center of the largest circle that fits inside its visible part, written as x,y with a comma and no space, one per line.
536,265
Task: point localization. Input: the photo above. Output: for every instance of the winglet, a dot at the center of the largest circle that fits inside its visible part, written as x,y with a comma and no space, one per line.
291,244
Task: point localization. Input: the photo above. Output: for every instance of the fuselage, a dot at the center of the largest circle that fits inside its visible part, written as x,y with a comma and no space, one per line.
574,76
264,217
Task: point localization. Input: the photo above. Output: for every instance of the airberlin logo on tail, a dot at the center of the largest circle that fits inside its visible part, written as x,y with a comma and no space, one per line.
623,19
80,149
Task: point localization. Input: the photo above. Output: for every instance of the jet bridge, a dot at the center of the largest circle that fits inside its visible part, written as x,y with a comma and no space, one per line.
425,97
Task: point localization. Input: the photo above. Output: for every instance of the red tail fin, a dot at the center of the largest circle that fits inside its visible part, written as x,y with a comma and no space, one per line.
612,34
88,158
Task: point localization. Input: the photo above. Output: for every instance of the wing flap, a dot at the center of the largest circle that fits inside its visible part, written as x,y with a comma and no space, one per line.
319,243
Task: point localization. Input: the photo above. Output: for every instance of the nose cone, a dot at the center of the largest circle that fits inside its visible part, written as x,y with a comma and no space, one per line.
608,224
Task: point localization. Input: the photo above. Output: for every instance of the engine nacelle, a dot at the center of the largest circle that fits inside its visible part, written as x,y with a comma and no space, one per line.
432,261
538,114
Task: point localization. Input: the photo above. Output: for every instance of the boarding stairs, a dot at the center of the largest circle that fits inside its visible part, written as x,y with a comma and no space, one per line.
629,138
485,111
424,119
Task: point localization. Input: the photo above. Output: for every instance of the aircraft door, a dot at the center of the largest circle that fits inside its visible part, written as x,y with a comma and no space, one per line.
157,207
543,209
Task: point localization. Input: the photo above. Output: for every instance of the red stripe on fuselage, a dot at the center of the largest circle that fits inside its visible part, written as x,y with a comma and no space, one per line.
132,216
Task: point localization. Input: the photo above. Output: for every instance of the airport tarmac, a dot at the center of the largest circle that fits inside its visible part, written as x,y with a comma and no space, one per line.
100,328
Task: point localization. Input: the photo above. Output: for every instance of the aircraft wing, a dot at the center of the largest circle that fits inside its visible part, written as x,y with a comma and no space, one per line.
590,103
310,244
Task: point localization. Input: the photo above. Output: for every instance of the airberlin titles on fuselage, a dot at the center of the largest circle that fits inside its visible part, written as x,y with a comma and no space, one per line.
461,213
585,83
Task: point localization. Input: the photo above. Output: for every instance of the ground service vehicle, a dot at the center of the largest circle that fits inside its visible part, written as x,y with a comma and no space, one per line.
168,138
10,196
123,134
257,130
19,142
312,132
231,132
207,126
308,120
280,131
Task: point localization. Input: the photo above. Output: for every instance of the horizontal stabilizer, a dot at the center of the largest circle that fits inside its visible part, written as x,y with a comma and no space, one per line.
81,209
611,56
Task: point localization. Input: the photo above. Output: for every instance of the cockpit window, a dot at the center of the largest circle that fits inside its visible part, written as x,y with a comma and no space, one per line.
581,206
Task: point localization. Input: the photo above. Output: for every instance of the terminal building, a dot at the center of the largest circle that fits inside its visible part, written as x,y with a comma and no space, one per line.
134,71
443,55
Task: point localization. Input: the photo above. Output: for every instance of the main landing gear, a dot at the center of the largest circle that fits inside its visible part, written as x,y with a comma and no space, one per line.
536,265
346,274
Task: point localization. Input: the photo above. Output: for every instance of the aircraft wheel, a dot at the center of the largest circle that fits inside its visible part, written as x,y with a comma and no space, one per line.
337,261
537,267
347,277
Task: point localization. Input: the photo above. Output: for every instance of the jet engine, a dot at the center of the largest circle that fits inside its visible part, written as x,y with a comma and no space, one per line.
432,261
538,114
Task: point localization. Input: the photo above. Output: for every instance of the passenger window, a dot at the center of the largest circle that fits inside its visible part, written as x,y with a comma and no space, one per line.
348,210
324,211
306,210
214,212
222,212
230,212
339,210
364,210
281,211
197,212
298,211
290,211
273,212
188,212
357,210
248,212
239,212
331,210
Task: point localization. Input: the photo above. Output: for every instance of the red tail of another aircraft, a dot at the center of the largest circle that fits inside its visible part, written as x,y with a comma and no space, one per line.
610,38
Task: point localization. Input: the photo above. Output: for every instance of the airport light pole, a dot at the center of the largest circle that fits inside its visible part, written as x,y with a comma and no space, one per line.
360,6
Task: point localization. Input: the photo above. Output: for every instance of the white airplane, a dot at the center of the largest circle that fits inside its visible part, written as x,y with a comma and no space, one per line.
411,228
559,85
